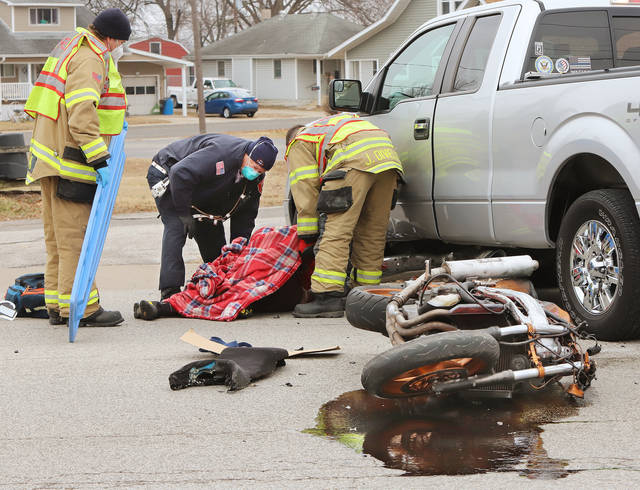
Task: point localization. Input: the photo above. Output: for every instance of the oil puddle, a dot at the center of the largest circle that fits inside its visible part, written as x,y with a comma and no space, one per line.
452,436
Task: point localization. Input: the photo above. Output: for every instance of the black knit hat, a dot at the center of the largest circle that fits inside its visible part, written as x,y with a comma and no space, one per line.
113,23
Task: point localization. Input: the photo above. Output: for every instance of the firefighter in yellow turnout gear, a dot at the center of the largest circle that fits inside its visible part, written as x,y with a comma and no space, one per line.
343,172
78,103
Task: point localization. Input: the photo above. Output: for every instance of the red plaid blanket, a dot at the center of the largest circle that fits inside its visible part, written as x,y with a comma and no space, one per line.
244,273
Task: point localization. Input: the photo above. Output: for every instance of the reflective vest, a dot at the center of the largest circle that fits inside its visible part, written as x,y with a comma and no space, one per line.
49,90
334,129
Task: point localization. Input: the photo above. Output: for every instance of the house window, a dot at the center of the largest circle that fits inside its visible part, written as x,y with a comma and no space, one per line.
374,67
192,75
154,47
448,6
277,68
7,71
220,68
43,16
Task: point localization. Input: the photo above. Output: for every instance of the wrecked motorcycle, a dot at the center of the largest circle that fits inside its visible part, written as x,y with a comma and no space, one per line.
457,329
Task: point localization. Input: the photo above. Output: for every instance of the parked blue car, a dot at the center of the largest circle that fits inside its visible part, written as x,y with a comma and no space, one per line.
230,101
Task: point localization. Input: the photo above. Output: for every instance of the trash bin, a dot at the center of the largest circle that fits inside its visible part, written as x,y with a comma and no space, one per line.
13,165
167,109
162,103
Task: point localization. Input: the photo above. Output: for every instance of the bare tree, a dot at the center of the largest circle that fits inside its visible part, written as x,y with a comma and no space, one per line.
363,12
174,12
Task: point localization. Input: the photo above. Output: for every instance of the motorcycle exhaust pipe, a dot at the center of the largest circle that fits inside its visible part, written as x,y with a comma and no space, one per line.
505,377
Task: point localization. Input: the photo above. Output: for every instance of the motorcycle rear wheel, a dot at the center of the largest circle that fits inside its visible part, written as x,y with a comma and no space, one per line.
411,369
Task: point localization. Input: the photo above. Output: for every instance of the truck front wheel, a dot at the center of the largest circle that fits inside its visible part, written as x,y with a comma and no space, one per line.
598,263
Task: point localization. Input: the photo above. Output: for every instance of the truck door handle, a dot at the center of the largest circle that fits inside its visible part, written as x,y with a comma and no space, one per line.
421,129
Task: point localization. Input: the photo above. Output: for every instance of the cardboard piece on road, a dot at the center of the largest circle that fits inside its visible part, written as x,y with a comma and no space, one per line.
191,337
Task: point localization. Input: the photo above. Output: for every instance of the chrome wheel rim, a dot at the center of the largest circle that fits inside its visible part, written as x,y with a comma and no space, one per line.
595,267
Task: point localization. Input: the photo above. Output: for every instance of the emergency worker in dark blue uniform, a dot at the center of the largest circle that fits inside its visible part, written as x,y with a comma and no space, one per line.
210,174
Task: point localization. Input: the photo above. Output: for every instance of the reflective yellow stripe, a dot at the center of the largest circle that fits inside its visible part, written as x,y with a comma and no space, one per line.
94,148
329,277
302,173
366,277
80,95
349,128
356,148
65,299
384,166
307,224
51,297
93,297
65,167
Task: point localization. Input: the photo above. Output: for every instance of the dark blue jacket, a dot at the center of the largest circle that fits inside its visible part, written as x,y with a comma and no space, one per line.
204,171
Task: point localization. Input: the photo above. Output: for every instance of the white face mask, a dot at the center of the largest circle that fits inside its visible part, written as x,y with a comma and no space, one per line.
117,53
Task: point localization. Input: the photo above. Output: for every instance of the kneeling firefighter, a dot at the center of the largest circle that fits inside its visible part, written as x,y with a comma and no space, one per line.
343,174
213,177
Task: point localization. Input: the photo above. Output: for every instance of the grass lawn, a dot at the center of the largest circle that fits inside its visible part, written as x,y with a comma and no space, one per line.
18,201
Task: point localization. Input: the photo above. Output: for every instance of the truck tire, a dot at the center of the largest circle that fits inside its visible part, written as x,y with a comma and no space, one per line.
598,263
366,307
410,369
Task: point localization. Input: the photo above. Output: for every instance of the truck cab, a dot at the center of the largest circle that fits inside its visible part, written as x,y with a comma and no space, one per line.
516,122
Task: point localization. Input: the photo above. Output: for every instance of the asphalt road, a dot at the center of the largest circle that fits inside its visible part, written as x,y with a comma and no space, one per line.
99,413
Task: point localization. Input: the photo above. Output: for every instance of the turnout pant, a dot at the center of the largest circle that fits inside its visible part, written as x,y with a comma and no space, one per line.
363,226
210,240
65,223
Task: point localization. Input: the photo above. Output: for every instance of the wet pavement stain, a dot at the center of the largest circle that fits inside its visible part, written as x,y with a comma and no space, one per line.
450,436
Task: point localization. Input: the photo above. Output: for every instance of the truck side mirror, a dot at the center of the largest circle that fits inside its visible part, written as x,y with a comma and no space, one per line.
345,95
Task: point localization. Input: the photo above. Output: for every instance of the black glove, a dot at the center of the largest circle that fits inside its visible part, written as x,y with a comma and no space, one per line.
189,225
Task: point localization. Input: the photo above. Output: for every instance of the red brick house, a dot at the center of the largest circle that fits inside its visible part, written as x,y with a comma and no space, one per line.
168,48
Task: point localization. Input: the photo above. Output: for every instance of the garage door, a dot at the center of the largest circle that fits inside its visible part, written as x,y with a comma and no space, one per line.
142,94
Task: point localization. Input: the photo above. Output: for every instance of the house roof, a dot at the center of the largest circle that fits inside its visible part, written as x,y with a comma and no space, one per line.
389,18
19,44
310,34
27,43
132,54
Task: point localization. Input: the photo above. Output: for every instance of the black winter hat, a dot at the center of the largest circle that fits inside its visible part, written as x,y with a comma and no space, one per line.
113,23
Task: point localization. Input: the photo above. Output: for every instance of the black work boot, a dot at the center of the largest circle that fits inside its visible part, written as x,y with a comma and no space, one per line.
150,310
165,293
324,305
102,318
55,318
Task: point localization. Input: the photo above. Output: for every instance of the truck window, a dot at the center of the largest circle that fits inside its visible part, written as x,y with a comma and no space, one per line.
626,35
571,41
476,53
412,73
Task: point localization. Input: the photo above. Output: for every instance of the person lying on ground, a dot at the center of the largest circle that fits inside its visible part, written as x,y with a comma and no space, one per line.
268,273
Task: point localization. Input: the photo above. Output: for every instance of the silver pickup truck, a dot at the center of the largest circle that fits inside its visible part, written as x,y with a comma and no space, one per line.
518,124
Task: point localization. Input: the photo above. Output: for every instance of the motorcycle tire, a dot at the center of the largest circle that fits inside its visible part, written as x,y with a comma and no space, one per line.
410,369
598,263
366,307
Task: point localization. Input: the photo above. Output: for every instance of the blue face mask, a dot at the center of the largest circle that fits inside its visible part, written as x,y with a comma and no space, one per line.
250,173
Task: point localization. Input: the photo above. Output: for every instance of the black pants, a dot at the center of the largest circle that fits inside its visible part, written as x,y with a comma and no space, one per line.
210,238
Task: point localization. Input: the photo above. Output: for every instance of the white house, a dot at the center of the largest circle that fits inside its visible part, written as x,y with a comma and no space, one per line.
282,59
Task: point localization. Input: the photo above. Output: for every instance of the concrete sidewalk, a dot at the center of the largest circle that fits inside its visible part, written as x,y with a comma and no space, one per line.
99,413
